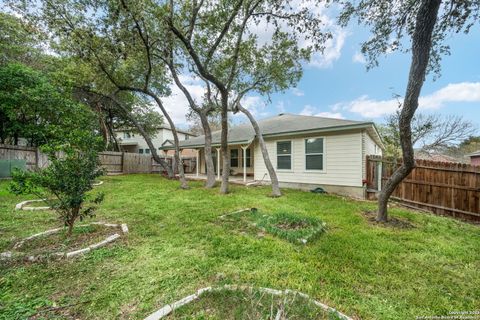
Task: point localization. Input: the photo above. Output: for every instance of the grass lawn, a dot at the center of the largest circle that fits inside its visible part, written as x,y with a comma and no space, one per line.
177,244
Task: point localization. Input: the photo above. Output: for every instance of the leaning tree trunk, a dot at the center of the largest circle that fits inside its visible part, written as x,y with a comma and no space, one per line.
271,171
208,151
145,136
224,144
178,160
421,45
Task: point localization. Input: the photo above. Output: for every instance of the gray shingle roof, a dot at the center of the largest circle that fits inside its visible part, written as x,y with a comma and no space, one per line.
284,123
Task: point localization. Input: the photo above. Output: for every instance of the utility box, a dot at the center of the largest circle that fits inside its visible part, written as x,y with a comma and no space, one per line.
7,167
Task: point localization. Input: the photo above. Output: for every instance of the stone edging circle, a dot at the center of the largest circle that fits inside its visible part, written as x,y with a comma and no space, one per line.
9,255
99,183
22,205
169,308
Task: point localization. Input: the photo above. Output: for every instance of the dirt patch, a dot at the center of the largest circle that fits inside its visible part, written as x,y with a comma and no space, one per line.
393,222
83,236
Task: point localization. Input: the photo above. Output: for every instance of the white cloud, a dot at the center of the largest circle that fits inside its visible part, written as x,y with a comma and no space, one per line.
332,52
333,47
309,110
454,92
297,92
177,104
358,58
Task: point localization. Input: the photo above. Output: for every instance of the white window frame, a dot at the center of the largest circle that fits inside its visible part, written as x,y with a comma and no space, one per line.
324,163
277,155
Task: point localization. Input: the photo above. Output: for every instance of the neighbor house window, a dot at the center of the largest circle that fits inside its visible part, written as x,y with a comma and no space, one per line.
284,155
128,135
314,154
147,151
248,158
186,137
234,158
140,151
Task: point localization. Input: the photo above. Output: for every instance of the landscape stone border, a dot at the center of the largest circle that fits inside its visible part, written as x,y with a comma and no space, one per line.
9,255
169,308
22,205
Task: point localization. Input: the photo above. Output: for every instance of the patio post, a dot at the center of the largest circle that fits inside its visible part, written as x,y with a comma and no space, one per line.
244,163
197,164
218,163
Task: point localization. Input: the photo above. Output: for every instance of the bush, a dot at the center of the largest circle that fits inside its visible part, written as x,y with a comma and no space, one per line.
66,181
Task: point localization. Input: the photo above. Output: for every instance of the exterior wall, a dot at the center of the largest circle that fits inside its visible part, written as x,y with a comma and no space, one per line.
343,161
475,161
157,140
236,170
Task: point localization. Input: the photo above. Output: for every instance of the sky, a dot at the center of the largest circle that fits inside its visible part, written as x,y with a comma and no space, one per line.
338,85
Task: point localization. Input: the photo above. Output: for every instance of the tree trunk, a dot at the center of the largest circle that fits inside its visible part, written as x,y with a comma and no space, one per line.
178,160
271,171
421,45
208,151
146,137
224,143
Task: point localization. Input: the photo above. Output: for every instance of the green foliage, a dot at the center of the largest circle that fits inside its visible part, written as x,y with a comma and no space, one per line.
19,41
390,21
66,181
33,108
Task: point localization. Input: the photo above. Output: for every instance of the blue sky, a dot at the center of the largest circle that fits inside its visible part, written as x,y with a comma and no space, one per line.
345,89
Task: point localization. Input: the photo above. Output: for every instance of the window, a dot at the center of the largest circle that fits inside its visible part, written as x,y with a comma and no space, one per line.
248,158
314,154
140,151
234,158
147,151
128,135
187,137
284,155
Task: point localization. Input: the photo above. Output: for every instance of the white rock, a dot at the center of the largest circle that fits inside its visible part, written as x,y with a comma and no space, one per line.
184,301
159,314
77,252
124,228
5,255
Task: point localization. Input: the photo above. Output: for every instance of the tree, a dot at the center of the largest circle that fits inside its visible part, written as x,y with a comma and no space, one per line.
219,39
430,132
19,42
428,26
66,181
34,108
119,45
195,124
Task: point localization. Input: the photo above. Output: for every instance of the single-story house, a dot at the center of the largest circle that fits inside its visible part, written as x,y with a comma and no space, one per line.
475,158
306,152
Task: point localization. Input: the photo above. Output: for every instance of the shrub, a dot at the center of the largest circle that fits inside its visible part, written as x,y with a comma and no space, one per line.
66,181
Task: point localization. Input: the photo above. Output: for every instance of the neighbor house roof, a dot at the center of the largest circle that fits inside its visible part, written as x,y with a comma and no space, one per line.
283,124
164,126
475,154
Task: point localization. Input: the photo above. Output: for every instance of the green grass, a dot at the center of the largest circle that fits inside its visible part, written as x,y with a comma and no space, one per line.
289,226
225,304
178,244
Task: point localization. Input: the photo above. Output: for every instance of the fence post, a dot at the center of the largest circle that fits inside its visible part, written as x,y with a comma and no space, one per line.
122,161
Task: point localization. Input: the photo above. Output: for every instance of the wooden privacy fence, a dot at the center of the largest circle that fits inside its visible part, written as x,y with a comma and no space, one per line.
441,187
112,162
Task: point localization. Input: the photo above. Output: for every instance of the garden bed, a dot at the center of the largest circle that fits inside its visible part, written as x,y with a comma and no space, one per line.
244,302
288,226
55,243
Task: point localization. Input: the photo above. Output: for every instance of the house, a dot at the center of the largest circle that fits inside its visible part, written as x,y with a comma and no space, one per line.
131,141
306,152
435,156
475,158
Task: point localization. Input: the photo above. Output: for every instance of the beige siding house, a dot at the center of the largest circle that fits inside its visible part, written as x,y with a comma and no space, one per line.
306,152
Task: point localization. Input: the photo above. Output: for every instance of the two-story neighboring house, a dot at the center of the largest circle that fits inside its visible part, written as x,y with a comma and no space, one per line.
132,141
